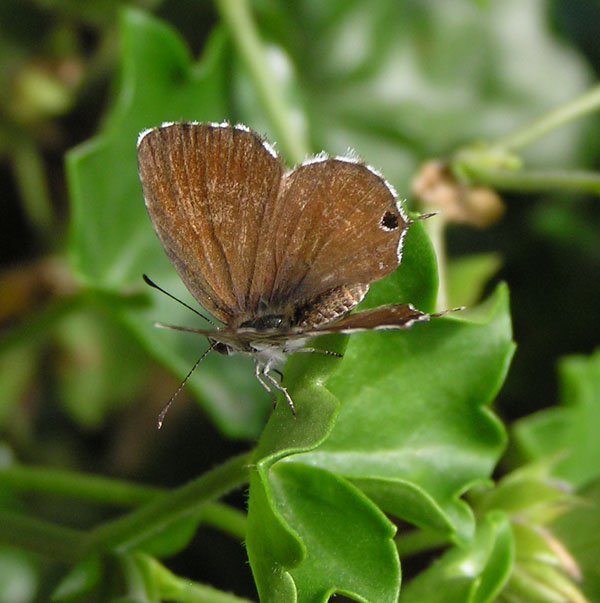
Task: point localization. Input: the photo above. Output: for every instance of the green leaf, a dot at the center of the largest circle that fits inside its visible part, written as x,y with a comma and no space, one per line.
571,430
17,366
163,585
468,575
80,581
273,545
430,435
90,356
528,493
19,580
172,538
468,275
111,239
578,531
328,514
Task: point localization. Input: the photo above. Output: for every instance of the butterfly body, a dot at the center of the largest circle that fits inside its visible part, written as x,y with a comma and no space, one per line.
278,256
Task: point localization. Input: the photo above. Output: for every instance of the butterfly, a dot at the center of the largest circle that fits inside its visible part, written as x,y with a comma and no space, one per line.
277,256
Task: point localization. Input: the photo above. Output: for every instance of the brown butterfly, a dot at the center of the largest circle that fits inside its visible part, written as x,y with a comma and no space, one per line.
278,256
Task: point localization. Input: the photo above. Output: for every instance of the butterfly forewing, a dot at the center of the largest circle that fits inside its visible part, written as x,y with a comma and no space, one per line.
208,189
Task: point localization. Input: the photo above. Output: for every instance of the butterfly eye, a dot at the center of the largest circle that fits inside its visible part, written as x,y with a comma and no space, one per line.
220,347
389,221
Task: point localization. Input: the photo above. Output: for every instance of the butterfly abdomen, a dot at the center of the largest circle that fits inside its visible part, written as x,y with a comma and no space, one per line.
330,305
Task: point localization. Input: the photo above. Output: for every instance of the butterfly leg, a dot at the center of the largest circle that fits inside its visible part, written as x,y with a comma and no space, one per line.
279,373
278,387
257,374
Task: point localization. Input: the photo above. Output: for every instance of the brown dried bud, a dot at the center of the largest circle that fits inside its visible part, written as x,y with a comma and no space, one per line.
437,187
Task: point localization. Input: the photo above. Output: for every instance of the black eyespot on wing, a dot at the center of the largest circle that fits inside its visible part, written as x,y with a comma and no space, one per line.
389,221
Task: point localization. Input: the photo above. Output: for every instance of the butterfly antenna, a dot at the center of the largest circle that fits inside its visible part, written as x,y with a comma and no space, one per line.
152,284
163,412
427,216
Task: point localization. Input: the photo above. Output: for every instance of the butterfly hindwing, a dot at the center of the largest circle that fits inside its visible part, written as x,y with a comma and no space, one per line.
340,224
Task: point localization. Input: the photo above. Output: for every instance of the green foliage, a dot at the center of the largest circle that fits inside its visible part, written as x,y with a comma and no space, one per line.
570,431
401,81
568,436
474,574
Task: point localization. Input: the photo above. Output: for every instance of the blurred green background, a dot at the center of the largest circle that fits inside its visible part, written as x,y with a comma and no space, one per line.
399,81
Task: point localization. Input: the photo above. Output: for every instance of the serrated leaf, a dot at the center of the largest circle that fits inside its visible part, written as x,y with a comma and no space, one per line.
274,547
328,514
431,435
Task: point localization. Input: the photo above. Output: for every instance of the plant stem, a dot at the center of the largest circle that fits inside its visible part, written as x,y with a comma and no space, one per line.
76,485
534,180
436,229
123,533
111,491
236,13
41,537
586,103
479,170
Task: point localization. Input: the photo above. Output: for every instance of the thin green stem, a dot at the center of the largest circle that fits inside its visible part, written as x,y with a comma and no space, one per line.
77,485
236,13
123,533
436,229
418,541
586,103
41,537
534,180
104,490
